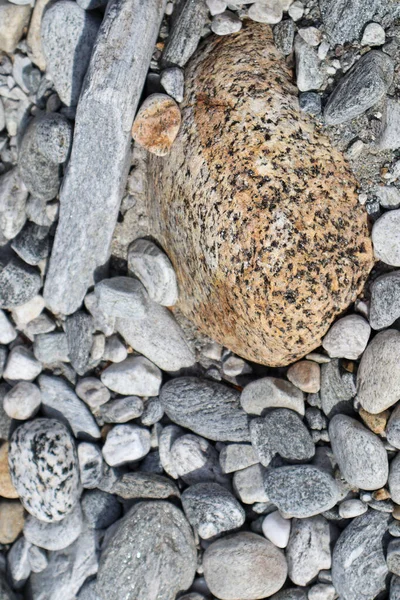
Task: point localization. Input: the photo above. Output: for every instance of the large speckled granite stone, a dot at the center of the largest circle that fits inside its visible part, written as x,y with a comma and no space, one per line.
255,209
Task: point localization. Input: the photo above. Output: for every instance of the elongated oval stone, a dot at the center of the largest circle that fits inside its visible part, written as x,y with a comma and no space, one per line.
254,207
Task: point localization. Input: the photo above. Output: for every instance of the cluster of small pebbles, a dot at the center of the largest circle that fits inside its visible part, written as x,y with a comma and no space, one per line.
140,460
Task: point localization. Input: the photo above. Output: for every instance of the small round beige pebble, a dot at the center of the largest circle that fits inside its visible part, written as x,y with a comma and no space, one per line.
157,124
306,375
7,490
11,520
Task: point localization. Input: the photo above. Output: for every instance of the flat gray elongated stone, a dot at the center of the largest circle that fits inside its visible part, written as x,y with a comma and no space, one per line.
121,410
144,485
389,138
393,428
393,557
54,536
378,378
122,297
244,565
211,509
90,464
68,35
44,450
361,87
385,300
394,479
90,196
309,75
301,490
360,454
271,392
19,283
18,566
185,33
359,568
308,551
344,20
207,408
281,432
61,402
79,330
337,389
150,555
13,197
67,570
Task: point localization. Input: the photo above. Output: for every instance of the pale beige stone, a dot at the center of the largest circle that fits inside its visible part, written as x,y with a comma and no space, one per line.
13,20
306,375
34,38
11,520
7,490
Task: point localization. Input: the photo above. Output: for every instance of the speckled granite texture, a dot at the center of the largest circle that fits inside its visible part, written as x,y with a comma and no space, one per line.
256,210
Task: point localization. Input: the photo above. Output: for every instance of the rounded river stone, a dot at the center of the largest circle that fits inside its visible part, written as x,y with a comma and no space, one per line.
44,469
256,210
150,556
244,565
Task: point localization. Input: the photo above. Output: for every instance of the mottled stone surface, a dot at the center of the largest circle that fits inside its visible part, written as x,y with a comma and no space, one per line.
284,245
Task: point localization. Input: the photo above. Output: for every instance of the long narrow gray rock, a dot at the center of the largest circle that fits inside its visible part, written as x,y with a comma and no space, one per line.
97,172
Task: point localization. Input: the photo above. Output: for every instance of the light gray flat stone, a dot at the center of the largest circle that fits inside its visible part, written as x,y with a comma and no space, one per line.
271,392
308,551
347,338
185,33
54,536
133,376
126,443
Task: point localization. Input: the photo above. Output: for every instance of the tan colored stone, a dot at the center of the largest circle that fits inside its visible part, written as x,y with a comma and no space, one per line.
13,20
306,375
11,520
382,494
7,490
256,210
34,38
157,124
376,423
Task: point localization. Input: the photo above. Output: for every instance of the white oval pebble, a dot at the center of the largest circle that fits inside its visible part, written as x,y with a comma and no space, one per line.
22,401
277,529
347,338
226,23
266,12
348,509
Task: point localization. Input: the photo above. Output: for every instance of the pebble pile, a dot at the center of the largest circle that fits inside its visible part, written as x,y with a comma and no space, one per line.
139,459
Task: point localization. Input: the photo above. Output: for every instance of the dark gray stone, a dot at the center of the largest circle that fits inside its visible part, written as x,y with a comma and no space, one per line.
60,401
90,198
394,588
281,432
153,412
301,490
43,450
152,463
362,87
211,509
385,300
360,454
88,591
151,554
291,594
344,20
393,557
337,389
284,36
32,244
185,32
144,485
310,103
100,509
359,568
19,283
79,330
6,423
205,407
5,591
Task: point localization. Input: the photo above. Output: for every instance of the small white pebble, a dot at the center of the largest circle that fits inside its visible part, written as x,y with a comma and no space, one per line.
311,35
169,9
226,23
277,529
296,10
330,70
374,35
323,50
355,149
266,12
22,401
362,198
348,509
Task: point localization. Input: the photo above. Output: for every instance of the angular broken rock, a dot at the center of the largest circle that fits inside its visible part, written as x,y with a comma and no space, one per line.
157,124
362,87
208,408
150,555
359,568
272,321
96,177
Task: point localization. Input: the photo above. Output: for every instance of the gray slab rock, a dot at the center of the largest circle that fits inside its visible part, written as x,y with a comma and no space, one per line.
92,391
394,479
205,407
51,347
378,378
19,282
60,401
13,197
344,20
7,330
309,75
121,410
308,551
90,464
393,428
123,297
150,264
185,33
301,490
100,509
389,138
44,450
385,300
96,176
153,412
68,36
164,560
88,591
173,82
244,565
234,457
359,568
360,454
211,509
337,389
271,392
67,569
135,375
144,485
54,536
101,321
281,432
360,88
6,423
